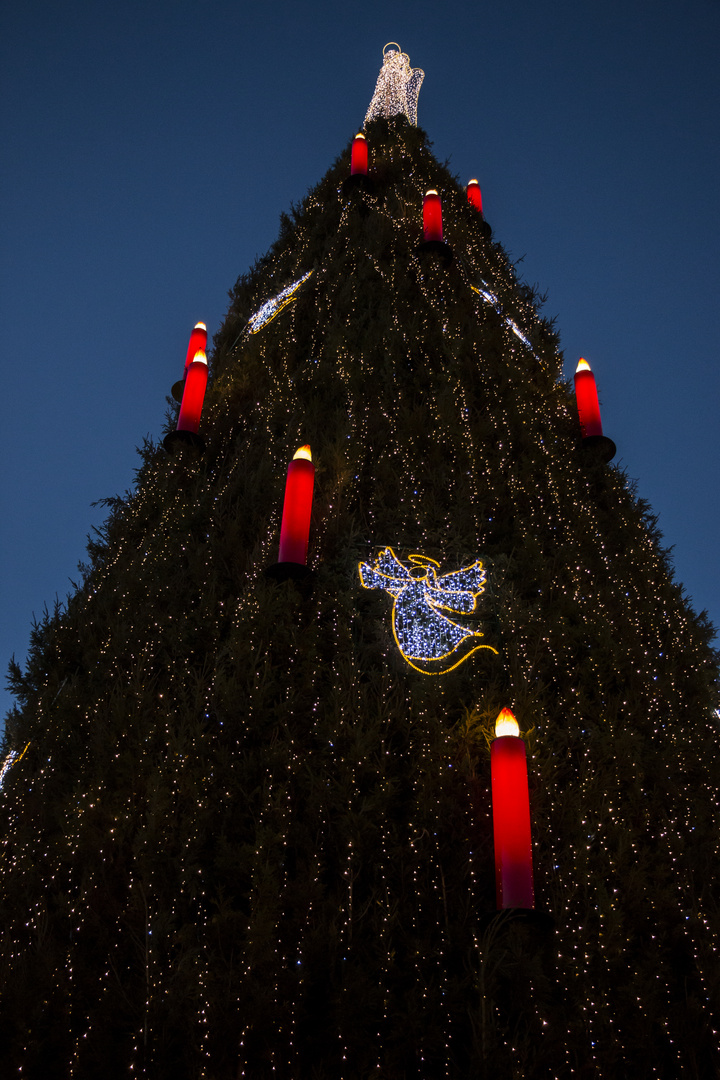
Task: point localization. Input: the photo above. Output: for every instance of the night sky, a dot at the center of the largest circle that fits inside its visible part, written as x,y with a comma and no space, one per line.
149,148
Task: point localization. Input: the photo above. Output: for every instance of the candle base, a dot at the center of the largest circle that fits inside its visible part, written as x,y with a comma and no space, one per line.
357,182
601,446
177,439
437,247
177,389
540,920
288,571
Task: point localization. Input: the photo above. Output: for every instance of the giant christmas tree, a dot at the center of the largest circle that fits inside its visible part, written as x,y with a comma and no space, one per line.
246,813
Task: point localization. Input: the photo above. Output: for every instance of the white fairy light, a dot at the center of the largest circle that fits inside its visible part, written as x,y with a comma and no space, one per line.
397,88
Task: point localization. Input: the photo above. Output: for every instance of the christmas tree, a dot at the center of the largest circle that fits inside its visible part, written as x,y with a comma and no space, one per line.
246,807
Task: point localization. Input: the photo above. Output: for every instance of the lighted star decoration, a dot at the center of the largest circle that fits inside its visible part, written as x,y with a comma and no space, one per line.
275,304
427,610
397,88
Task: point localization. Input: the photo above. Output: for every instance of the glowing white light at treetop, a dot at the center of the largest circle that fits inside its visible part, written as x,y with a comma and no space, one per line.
397,88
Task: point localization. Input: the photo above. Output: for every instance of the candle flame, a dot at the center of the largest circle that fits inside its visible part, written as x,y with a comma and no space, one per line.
200,357
360,136
506,724
200,326
582,366
303,452
471,182
432,191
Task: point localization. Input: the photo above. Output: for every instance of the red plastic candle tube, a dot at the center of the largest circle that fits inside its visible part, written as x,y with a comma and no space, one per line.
198,343
193,394
511,816
432,217
587,400
474,195
359,156
295,528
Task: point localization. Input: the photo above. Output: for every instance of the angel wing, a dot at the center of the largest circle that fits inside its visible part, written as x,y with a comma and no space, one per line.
387,573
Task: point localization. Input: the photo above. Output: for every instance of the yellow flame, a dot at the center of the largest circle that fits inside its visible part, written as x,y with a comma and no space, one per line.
200,326
303,452
506,724
432,191
360,135
582,366
471,182
200,357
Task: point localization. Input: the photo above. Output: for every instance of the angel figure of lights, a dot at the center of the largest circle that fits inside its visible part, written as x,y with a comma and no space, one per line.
397,88
426,607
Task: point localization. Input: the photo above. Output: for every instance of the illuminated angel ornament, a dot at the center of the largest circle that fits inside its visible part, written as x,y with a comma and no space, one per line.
275,305
397,87
427,610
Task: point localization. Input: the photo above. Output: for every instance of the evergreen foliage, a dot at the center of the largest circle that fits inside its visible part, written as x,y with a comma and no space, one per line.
247,838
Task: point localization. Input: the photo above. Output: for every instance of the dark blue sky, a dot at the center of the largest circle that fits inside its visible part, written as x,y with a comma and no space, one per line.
149,148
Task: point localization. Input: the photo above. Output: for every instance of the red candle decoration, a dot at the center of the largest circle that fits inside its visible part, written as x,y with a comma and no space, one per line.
193,394
359,156
587,400
432,217
511,816
295,528
197,343
474,195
